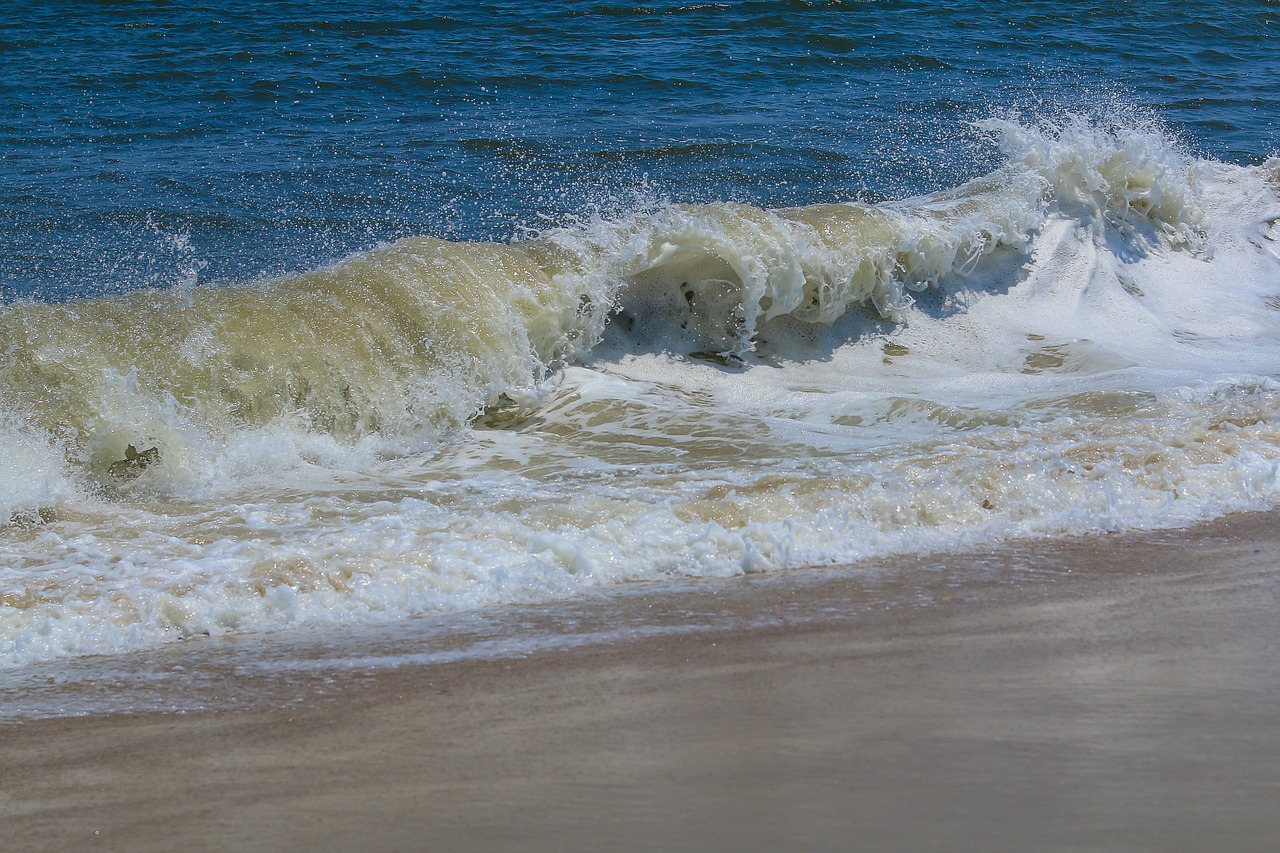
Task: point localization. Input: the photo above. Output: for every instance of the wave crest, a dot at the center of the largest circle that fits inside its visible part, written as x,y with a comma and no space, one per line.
411,341
1125,174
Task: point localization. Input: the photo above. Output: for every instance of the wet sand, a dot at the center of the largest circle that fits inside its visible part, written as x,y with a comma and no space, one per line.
1108,693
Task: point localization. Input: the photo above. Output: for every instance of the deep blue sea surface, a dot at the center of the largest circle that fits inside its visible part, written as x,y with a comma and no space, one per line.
142,143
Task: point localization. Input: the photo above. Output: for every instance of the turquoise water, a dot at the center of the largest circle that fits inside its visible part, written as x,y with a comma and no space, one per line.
319,317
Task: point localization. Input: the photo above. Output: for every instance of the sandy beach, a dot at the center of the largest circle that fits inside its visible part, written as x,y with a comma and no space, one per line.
1115,692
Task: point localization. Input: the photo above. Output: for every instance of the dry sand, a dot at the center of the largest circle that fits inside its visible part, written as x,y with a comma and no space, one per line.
1107,693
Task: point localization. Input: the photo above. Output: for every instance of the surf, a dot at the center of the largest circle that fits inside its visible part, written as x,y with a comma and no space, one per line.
413,340
1083,339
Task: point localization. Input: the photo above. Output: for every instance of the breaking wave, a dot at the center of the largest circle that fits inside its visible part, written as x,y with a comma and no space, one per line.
1083,339
409,342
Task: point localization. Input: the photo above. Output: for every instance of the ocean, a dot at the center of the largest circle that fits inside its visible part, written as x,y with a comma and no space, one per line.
329,318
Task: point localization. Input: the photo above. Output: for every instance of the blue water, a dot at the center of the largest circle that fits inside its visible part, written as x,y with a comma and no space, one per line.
150,144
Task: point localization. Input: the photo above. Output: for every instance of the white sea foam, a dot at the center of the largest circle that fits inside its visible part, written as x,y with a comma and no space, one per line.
1084,340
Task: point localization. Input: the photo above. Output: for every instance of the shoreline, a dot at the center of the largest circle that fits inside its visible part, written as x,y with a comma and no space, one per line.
1111,692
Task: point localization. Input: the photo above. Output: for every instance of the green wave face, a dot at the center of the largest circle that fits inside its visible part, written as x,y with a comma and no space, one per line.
413,338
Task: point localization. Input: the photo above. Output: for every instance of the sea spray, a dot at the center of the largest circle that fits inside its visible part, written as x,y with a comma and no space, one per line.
687,390
409,342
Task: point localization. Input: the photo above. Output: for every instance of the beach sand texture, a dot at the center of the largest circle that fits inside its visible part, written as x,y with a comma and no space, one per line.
1123,695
